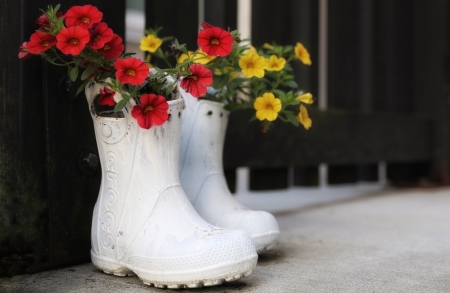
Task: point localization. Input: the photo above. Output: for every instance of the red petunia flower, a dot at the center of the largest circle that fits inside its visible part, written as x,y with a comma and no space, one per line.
196,83
113,48
100,35
215,41
23,51
72,40
83,16
107,97
40,42
131,70
44,22
151,111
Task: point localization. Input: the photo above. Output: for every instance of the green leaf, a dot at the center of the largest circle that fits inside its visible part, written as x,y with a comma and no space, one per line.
87,72
220,81
139,87
291,117
73,73
120,105
128,54
82,86
168,38
290,83
279,94
287,49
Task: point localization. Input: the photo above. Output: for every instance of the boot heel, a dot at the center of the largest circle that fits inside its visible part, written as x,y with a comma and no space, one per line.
110,266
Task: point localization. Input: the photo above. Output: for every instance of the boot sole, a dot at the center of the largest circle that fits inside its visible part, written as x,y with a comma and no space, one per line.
209,276
265,242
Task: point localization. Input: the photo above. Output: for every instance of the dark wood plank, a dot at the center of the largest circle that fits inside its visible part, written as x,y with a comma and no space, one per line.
306,176
268,178
178,18
221,13
22,200
336,137
71,188
46,201
429,27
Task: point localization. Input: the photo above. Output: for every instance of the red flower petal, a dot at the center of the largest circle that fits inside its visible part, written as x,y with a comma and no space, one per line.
151,111
100,35
23,51
112,49
194,88
107,97
72,40
83,16
215,41
40,42
131,70
197,81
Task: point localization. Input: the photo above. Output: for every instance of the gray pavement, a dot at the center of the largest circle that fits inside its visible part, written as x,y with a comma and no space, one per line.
394,241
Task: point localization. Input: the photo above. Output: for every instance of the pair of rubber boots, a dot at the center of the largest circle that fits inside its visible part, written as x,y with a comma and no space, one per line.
146,222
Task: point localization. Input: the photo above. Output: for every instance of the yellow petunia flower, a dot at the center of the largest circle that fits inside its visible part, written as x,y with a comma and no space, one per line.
150,43
305,98
199,57
303,118
275,64
302,54
252,64
267,107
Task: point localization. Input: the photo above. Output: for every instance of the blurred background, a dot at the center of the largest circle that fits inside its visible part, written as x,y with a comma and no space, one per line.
380,76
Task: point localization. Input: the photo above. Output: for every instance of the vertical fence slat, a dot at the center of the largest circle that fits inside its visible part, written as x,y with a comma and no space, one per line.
429,30
178,19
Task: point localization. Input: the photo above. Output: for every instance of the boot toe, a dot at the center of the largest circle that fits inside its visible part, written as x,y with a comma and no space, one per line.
224,257
262,227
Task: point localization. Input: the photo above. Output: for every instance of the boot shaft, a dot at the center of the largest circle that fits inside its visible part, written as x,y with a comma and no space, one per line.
137,165
202,139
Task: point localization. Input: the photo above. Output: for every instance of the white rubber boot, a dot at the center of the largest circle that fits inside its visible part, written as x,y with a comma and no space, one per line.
202,178
143,223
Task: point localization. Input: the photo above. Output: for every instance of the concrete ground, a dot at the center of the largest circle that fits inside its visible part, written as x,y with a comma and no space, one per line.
393,241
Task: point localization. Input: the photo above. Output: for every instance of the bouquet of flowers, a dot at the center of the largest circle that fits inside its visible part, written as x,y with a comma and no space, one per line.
223,69
227,69
80,41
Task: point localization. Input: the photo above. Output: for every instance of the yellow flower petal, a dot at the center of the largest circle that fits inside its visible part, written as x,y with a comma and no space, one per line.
259,103
150,43
261,115
305,98
275,64
252,65
201,57
267,107
303,118
272,115
276,105
302,54
184,57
